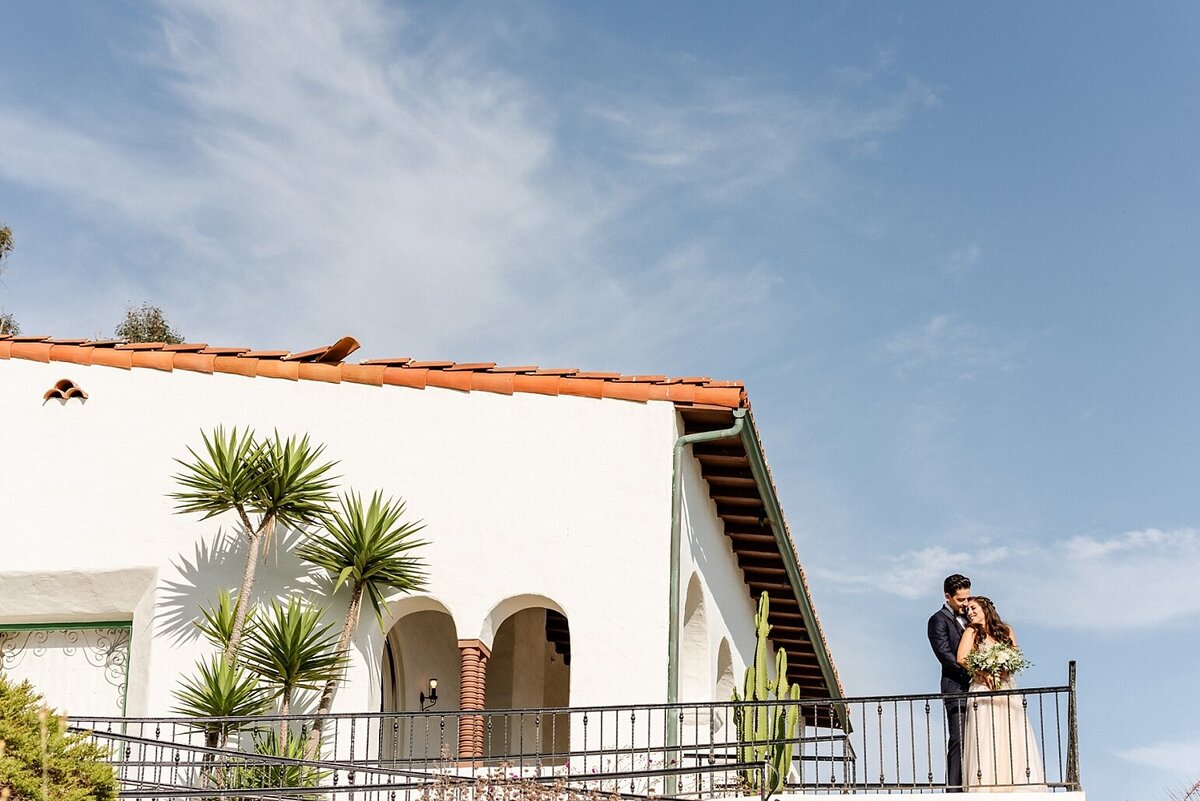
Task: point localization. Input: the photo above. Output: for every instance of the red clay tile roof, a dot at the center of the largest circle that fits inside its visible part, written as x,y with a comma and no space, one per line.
328,364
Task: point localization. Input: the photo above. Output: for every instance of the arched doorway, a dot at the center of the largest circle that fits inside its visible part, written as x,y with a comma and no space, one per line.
529,668
421,645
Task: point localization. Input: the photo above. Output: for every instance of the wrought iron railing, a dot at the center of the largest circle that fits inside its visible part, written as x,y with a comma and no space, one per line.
881,743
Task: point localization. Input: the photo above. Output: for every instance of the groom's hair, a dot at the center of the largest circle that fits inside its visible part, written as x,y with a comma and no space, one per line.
954,583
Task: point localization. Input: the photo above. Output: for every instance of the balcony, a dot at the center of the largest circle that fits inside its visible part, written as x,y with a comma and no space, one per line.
883,745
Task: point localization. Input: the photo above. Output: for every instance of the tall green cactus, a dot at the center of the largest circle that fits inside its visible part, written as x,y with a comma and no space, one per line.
767,732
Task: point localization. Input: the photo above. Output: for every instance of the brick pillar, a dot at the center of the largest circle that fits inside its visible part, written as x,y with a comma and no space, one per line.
472,693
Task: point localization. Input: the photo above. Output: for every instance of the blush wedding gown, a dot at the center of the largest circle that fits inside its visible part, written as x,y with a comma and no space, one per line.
1000,753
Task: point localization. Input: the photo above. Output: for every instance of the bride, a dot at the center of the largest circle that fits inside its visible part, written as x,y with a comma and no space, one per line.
999,752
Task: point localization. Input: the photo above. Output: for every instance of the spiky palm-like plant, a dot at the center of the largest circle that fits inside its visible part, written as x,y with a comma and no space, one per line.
291,649
216,621
268,482
221,689
370,549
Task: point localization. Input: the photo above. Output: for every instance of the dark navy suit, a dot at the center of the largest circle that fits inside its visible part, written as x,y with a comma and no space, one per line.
944,634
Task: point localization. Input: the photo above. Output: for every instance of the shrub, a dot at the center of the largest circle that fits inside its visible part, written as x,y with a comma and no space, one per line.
40,759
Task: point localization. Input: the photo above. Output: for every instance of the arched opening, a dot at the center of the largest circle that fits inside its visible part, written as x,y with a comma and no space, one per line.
420,646
530,668
726,681
694,654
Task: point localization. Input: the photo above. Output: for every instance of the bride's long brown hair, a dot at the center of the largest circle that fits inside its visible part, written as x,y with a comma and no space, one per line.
992,624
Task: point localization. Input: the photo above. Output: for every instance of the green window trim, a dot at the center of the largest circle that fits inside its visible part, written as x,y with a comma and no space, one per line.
98,625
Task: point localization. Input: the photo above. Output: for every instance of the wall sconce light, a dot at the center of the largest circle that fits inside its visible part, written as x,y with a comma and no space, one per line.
427,701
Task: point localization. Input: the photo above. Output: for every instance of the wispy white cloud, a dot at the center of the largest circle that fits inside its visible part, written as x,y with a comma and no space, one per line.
951,343
333,170
963,261
1174,756
1102,584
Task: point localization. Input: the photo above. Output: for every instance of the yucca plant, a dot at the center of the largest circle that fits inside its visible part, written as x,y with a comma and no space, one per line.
216,622
370,550
267,483
274,774
221,689
291,649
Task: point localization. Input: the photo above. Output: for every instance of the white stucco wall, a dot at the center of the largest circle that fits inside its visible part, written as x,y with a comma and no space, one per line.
525,497
708,554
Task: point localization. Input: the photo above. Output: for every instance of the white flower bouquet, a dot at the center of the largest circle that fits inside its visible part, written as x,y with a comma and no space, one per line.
998,661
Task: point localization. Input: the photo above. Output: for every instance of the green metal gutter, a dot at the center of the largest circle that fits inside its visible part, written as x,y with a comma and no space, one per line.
739,421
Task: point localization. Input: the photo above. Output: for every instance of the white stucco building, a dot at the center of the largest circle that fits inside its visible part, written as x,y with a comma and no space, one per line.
548,498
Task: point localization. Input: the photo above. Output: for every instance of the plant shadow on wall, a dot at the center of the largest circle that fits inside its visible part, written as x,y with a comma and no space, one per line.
200,577
274,656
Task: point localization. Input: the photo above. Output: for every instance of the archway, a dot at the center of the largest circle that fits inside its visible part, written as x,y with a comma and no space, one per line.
421,645
726,681
694,653
529,668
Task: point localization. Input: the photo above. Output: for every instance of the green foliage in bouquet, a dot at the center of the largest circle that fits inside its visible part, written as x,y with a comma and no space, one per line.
767,732
40,760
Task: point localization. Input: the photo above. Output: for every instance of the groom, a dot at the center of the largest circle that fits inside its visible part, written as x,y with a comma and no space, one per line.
945,630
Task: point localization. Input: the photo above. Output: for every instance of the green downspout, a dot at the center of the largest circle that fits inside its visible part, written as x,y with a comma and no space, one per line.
739,421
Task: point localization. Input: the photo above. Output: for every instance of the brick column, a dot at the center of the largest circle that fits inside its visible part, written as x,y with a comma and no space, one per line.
472,694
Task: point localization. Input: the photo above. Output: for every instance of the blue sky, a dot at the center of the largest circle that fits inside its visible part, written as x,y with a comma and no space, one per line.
950,248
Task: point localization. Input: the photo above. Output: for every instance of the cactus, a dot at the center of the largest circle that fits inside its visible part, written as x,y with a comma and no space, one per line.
767,732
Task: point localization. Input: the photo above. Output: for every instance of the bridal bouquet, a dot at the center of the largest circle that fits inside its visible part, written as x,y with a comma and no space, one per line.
998,661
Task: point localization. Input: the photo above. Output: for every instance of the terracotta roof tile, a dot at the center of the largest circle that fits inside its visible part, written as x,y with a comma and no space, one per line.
448,379
74,354
405,376
196,362
398,361
328,364
36,351
363,373
274,368
475,366
141,345
315,371
155,359
111,357
235,366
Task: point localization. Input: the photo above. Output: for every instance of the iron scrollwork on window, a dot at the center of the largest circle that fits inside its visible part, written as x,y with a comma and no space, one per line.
104,648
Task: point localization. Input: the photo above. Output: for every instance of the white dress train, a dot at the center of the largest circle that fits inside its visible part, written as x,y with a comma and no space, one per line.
1000,753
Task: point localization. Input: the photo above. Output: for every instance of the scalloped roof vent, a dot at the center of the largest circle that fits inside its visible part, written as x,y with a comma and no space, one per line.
64,389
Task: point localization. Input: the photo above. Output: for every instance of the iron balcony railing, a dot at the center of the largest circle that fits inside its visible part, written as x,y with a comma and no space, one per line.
881,743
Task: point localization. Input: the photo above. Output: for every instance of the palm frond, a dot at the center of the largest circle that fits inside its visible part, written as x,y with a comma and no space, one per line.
216,622
290,648
226,477
368,546
294,486
220,689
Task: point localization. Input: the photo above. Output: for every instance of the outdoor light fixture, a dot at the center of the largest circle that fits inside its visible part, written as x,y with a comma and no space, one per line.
427,701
